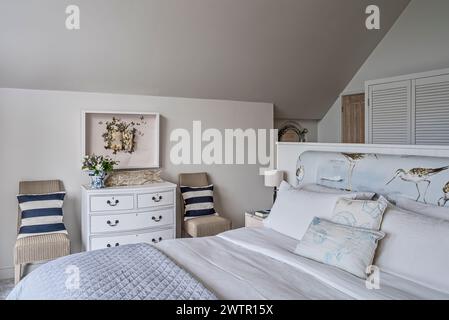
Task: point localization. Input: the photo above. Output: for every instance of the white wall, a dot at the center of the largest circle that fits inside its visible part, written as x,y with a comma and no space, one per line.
417,42
41,139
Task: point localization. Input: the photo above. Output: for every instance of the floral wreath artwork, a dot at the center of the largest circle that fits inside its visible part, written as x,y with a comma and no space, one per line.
120,136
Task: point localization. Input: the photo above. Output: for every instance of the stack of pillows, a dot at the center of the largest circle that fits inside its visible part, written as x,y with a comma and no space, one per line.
345,229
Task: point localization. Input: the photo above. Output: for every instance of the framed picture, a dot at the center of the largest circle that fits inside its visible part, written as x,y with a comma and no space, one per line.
129,137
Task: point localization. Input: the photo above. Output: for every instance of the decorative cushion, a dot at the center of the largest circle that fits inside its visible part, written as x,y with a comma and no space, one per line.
416,247
41,214
349,248
360,213
319,188
198,201
294,209
206,226
423,208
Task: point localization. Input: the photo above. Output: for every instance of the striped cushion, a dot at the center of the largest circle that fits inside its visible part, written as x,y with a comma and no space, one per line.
41,214
198,201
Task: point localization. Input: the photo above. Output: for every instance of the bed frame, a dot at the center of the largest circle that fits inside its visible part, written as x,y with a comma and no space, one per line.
416,172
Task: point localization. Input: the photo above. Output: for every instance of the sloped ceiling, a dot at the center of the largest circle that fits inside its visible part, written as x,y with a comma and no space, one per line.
298,54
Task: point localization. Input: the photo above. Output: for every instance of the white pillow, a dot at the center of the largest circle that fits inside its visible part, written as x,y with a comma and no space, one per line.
415,247
422,208
348,248
319,188
294,209
360,213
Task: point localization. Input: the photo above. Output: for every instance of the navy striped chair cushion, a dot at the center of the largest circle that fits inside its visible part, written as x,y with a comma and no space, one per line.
41,214
198,201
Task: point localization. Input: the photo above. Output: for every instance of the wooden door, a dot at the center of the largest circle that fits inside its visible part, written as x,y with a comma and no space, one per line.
353,118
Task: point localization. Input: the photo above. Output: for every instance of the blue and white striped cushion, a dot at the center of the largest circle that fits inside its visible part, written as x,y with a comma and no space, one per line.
41,214
198,201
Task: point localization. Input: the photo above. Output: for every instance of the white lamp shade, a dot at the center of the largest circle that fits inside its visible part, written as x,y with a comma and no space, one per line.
273,178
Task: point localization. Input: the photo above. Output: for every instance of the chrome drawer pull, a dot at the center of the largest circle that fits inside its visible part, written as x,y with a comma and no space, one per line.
156,219
158,199
116,202
116,222
156,241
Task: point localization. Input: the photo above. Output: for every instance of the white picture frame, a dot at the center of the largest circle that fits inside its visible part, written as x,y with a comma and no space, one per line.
147,157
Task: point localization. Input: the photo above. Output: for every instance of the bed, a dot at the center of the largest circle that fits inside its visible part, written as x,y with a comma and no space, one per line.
246,263
261,263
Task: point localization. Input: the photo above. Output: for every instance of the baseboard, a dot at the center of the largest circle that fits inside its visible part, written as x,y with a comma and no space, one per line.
6,273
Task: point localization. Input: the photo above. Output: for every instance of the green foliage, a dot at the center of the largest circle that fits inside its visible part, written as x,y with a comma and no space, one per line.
98,164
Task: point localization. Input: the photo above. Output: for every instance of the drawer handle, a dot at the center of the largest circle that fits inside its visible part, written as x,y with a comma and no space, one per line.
109,245
156,241
157,199
156,219
116,222
116,202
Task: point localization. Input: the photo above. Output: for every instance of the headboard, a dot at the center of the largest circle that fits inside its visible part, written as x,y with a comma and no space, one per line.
416,172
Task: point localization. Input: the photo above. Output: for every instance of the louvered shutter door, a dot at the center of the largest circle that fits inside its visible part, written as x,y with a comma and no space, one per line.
432,111
389,109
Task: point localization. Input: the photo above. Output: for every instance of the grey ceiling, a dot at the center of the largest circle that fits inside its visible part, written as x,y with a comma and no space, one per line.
298,54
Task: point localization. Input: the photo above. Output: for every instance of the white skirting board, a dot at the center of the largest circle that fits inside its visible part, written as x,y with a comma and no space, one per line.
8,272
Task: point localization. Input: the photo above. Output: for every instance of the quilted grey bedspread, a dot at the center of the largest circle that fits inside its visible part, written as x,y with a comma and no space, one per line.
132,272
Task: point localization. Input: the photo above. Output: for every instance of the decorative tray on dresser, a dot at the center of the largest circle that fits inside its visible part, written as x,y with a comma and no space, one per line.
124,215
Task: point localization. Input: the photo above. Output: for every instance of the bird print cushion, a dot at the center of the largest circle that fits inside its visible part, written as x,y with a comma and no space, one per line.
348,248
360,213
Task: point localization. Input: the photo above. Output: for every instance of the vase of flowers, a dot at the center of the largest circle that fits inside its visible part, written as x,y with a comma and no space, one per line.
98,167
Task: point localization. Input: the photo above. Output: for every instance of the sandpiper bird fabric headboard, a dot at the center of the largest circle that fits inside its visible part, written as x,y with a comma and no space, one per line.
419,173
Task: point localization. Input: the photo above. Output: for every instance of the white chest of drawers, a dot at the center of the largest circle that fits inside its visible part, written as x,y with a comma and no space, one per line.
124,215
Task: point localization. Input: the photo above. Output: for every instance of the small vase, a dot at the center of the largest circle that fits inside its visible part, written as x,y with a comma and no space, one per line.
97,180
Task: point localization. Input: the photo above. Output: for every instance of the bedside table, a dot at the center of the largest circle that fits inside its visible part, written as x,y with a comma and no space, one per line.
253,221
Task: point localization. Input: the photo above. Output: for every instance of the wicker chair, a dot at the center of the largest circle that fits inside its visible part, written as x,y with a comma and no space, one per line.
43,247
201,226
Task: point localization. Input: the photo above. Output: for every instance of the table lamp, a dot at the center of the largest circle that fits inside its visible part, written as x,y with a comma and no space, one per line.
273,178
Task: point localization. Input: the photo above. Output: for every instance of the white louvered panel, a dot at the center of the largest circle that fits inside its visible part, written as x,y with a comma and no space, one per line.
389,112
432,111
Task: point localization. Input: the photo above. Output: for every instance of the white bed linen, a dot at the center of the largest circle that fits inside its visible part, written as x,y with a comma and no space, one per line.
232,272
259,263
